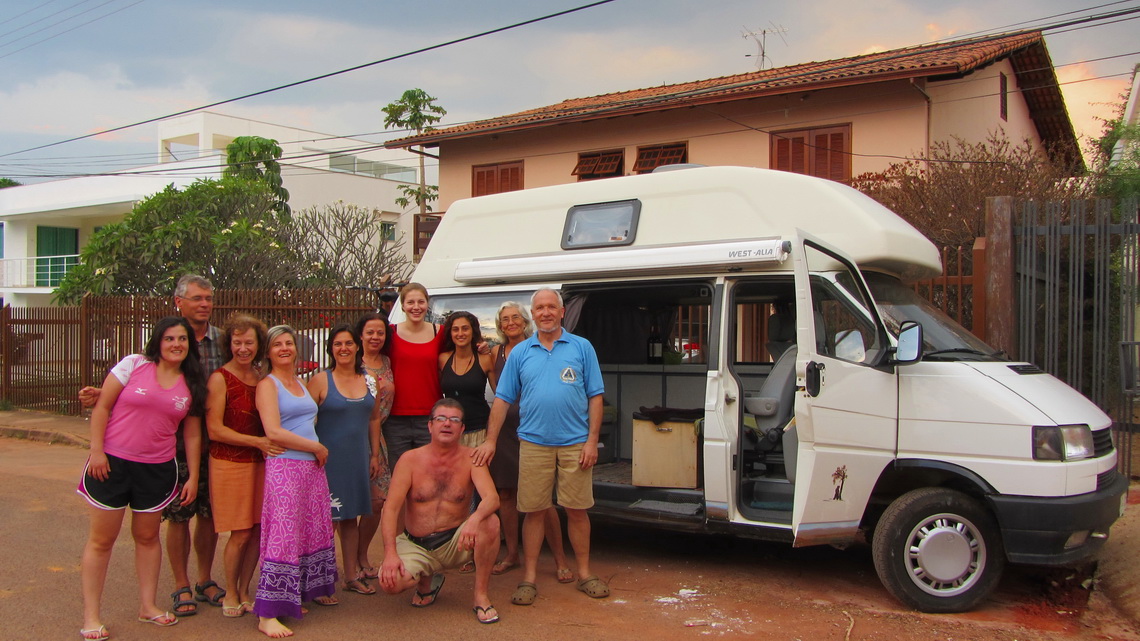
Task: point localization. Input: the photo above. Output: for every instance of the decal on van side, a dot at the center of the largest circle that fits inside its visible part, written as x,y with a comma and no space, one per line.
838,477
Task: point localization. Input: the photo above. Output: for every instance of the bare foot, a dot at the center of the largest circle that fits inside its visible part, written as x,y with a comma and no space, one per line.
273,628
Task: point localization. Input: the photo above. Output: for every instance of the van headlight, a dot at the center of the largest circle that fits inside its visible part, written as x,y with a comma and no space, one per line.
1062,442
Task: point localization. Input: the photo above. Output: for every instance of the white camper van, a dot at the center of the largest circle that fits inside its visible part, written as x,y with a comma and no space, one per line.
769,374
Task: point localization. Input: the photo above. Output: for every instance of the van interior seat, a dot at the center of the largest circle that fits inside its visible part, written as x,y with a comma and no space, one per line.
774,403
781,333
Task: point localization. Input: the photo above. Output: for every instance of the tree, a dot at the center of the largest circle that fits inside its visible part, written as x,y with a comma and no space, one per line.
944,195
346,246
228,230
1116,158
255,158
417,111
8,182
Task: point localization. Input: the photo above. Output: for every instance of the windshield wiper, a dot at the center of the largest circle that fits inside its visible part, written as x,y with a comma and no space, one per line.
962,350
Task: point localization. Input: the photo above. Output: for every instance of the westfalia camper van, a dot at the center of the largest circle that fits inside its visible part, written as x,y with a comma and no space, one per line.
769,374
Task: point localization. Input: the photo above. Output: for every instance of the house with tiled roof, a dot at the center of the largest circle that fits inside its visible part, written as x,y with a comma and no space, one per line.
835,119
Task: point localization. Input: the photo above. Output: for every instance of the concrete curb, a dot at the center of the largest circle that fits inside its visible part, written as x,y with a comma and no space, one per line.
46,428
44,436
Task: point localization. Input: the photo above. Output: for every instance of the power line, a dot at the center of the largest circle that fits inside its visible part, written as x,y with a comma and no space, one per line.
24,13
65,31
326,75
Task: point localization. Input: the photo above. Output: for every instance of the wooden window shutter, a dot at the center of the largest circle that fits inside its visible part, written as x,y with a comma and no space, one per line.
483,180
650,158
510,177
823,152
495,179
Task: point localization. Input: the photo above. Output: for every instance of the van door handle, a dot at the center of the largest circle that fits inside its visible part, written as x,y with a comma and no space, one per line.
814,378
729,398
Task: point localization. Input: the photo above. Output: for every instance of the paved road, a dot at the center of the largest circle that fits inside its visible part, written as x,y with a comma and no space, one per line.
664,587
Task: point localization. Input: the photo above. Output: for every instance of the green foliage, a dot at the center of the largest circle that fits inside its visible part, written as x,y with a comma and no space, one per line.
1116,159
223,229
8,182
255,158
415,110
420,195
231,232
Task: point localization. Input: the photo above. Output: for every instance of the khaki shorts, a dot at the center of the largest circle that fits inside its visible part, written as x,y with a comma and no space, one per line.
538,465
473,439
420,562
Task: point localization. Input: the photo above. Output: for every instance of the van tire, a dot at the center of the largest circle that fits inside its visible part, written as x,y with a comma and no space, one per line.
938,550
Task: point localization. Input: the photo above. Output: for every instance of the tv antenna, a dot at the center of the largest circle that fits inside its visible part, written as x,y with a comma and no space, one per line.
761,39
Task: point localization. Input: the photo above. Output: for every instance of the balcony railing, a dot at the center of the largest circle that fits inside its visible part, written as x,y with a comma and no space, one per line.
35,271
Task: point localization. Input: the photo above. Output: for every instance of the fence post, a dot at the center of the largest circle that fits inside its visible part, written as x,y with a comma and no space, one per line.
86,347
1001,316
978,297
6,346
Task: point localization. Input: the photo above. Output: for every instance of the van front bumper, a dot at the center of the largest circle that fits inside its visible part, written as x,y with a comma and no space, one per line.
1035,530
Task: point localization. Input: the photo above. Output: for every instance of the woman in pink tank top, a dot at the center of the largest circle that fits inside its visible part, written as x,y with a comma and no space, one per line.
145,399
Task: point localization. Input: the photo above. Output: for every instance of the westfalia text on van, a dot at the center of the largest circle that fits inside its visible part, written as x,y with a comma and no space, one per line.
832,403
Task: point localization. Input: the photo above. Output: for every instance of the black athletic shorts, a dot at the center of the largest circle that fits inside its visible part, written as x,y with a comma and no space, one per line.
145,487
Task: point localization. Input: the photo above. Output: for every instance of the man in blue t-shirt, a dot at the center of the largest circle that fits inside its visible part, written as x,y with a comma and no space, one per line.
555,379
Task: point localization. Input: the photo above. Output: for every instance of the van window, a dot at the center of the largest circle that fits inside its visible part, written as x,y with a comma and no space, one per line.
484,306
601,225
844,323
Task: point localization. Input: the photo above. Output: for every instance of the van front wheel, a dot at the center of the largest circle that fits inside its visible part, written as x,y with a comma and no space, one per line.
938,550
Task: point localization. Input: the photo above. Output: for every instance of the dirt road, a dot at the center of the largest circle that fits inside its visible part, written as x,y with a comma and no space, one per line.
664,587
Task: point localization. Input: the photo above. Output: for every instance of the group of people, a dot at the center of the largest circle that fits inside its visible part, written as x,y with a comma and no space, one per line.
395,434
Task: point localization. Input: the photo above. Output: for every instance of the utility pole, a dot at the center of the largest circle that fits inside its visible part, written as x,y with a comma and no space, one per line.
761,40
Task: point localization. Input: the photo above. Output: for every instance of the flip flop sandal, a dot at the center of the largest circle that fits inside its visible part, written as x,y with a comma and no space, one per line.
201,595
233,612
467,568
96,634
326,601
565,575
436,585
593,587
525,594
358,586
164,620
484,610
184,603
502,567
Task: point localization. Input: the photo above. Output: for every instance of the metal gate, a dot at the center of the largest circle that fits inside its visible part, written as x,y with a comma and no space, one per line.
1077,269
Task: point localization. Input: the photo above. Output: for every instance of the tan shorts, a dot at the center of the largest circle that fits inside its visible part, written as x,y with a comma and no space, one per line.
473,439
538,465
420,562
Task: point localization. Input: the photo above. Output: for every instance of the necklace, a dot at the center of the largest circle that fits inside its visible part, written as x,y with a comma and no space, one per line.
455,364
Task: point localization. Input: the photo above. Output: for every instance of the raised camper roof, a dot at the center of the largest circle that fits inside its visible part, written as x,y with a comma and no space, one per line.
680,219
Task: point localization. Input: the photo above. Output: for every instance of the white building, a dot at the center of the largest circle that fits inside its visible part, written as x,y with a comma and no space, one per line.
43,226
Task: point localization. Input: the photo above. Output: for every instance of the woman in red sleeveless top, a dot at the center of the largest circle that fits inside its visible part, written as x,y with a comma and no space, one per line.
238,447
413,346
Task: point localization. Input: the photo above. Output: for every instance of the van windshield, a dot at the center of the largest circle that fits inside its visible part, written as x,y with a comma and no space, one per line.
942,338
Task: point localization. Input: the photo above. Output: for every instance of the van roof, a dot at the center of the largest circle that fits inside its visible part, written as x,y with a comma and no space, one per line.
682,208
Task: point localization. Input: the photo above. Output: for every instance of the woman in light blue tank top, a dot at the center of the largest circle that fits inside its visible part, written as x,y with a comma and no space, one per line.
298,554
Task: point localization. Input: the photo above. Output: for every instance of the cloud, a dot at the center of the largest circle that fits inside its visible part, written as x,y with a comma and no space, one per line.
1090,98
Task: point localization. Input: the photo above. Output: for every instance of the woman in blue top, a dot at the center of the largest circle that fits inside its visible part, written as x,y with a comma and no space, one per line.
298,555
348,423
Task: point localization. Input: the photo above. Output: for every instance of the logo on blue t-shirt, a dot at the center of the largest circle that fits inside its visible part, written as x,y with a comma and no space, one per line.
569,375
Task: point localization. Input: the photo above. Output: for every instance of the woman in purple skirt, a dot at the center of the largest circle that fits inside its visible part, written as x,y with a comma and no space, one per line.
298,556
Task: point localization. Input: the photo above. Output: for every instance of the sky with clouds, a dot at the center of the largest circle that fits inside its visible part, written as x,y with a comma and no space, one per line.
74,67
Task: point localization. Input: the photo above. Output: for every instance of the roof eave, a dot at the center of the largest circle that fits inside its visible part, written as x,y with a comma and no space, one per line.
715,96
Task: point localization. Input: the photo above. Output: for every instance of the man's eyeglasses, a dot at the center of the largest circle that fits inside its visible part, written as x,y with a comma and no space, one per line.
440,420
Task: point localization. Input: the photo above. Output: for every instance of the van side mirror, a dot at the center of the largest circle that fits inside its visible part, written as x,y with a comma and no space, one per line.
909,348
